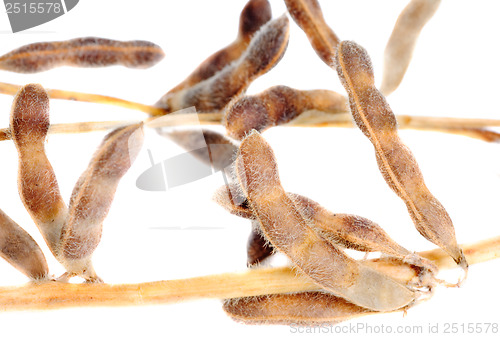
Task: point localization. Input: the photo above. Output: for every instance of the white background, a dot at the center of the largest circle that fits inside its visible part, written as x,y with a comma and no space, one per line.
454,73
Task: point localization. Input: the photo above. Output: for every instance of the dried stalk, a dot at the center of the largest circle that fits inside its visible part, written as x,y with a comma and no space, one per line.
12,89
56,295
470,127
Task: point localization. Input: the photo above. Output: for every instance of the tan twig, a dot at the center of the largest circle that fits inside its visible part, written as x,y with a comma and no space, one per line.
12,89
469,127
462,126
56,295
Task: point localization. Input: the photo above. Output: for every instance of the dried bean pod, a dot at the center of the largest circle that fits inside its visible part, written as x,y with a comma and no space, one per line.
286,229
309,17
37,183
399,168
81,52
307,308
346,230
19,249
255,14
275,106
350,231
399,49
92,197
263,53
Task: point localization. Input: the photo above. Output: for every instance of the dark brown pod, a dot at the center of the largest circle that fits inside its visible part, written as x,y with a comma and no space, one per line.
92,197
346,230
398,166
308,16
288,231
37,183
307,308
211,95
277,105
255,14
81,52
19,249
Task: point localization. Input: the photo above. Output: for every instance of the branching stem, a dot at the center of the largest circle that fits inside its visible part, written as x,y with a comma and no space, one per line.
475,128
56,295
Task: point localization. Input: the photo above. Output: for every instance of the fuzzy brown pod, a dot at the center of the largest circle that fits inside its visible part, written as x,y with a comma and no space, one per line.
211,95
309,17
37,183
346,230
288,231
255,14
317,308
81,52
399,49
397,164
19,249
276,106
92,197
306,308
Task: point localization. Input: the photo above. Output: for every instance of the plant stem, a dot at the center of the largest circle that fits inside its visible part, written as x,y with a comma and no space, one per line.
474,128
56,295
465,127
12,89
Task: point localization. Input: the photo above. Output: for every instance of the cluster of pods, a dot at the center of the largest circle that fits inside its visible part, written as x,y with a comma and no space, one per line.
312,237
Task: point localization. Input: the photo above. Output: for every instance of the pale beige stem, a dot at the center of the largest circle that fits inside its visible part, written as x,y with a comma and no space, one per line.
462,126
474,128
11,89
56,295
154,122
470,127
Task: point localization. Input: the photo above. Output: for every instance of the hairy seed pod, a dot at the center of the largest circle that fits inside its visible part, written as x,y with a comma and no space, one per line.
287,230
309,17
211,95
399,49
399,168
92,197
19,249
306,308
37,183
81,52
349,231
275,106
346,230
255,14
